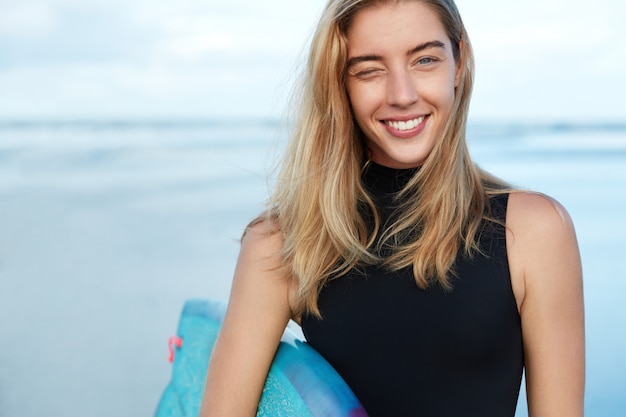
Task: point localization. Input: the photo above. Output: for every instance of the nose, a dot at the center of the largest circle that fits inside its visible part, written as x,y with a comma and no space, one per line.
401,89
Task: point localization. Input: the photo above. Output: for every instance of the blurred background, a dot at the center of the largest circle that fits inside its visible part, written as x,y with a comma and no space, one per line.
135,142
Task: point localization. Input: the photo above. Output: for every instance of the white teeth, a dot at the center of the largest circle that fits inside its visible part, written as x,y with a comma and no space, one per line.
409,124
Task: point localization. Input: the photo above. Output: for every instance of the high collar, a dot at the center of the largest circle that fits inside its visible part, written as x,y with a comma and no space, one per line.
382,180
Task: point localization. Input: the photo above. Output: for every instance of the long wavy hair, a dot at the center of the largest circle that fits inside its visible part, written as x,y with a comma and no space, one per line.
318,201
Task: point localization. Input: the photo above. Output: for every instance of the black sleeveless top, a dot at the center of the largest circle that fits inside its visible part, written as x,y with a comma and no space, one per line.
405,351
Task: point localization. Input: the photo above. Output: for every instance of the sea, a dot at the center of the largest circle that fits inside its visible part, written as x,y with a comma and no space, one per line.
107,227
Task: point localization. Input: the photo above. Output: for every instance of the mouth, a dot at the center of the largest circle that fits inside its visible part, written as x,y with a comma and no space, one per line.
404,125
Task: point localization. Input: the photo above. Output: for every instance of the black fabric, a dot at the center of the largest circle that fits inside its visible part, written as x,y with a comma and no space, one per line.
411,352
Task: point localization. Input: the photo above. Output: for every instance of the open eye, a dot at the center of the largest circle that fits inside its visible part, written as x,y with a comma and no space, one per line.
426,60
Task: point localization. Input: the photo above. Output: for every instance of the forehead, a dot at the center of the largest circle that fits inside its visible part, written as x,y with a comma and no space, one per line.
392,25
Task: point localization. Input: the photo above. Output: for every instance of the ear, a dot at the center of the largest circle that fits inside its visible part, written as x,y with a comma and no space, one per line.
458,71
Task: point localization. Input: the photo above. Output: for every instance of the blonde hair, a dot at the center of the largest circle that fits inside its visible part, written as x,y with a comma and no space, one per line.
319,200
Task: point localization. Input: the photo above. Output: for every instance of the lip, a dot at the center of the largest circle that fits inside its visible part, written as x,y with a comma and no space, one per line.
409,133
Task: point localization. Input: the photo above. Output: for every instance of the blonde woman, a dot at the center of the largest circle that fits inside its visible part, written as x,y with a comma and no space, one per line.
427,283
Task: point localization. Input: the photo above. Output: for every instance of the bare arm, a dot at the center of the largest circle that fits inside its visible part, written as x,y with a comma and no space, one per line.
257,314
547,275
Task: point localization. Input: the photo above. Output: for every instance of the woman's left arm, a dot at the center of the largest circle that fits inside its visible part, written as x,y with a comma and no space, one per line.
547,275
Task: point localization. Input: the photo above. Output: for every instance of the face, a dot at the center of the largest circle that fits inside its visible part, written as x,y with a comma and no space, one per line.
401,81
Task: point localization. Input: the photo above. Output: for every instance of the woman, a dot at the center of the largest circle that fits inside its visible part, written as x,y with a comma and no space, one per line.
426,282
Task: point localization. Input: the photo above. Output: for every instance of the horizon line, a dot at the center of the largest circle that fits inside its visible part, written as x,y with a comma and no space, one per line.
215,121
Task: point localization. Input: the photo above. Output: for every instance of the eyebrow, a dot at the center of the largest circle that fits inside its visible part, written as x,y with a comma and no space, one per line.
372,57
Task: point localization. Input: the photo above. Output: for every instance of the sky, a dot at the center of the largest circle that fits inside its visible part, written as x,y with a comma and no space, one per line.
537,60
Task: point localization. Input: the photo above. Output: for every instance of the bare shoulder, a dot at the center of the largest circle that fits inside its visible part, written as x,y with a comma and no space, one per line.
537,213
539,228
261,250
546,276
258,311
260,267
541,243
262,243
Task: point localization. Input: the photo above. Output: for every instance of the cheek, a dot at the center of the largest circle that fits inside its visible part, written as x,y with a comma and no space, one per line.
440,93
364,101
357,102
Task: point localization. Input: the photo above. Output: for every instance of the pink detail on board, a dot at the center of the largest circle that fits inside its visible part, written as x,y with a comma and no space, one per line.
174,341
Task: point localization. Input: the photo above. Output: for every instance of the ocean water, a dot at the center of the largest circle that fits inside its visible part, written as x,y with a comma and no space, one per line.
106,228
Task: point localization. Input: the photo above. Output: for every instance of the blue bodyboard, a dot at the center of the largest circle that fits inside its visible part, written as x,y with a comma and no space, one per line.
300,381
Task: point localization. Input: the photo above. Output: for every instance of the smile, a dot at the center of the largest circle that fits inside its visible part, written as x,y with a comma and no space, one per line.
405,125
